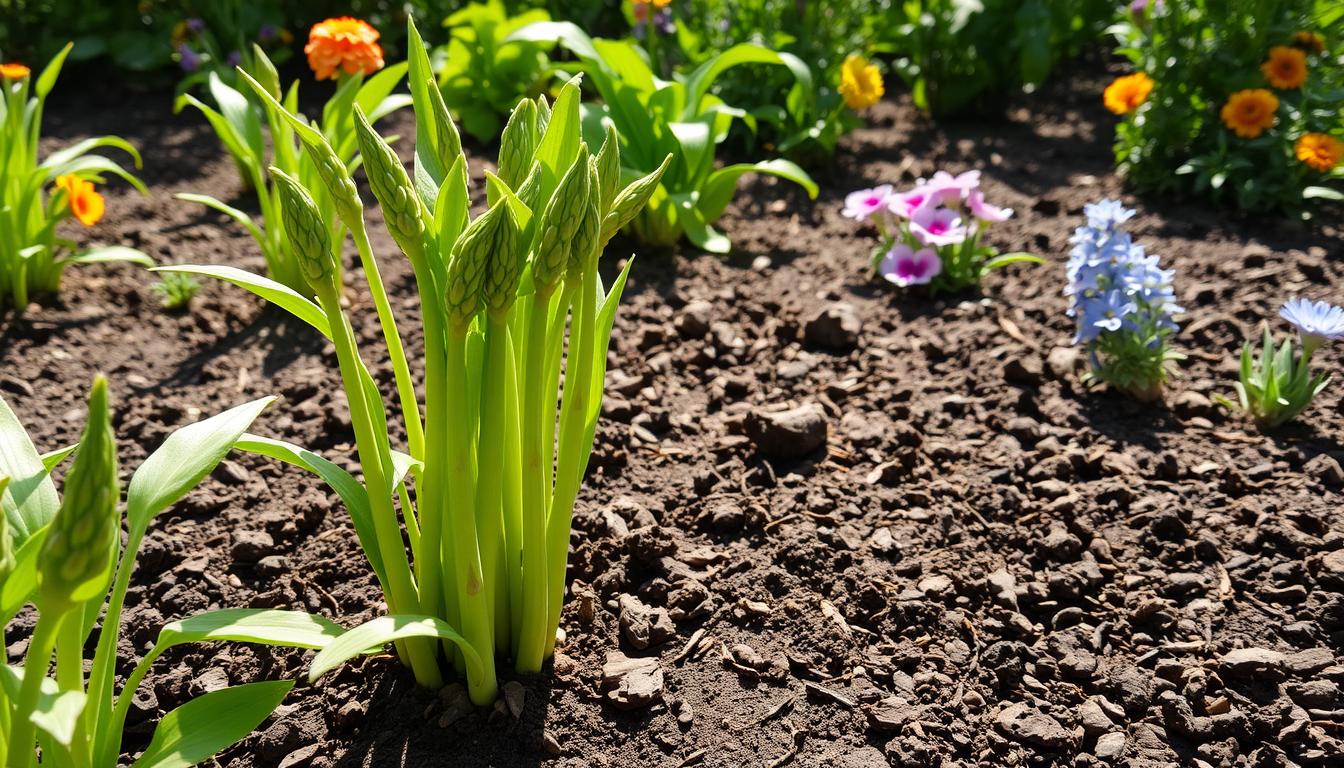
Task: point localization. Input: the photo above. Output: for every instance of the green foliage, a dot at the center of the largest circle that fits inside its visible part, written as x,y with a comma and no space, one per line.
962,56
33,255
176,291
512,305
238,122
1277,385
483,76
656,119
63,555
1198,54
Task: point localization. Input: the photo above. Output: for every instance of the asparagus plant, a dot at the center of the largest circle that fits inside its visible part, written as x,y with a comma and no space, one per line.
63,555
512,303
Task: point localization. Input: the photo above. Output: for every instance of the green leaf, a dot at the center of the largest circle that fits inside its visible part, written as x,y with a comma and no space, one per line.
22,581
30,501
63,156
721,186
227,210
47,80
1004,260
111,253
238,111
699,82
57,712
251,625
383,630
278,294
184,459
199,729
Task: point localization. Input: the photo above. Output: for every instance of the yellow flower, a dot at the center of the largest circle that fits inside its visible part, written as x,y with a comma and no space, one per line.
1251,112
860,82
84,201
1319,151
1125,94
14,71
343,44
1309,42
1286,67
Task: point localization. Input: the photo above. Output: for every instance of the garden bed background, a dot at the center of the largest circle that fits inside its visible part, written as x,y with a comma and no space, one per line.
980,549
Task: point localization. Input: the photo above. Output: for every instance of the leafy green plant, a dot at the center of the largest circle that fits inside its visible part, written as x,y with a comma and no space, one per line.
36,196
238,124
512,304
483,76
970,55
62,553
656,119
176,291
1241,103
1278,385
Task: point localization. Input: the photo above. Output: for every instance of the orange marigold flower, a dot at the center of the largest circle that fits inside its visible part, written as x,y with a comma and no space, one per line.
1250,112
84,201
860,82
346,44
1319,151
1125,94
14,71
1286,67
1309,42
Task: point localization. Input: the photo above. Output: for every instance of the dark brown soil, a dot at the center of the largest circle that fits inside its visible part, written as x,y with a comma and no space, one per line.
985,564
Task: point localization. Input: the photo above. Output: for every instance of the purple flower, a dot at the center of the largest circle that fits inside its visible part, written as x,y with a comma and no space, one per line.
866,202
267,33
235,58
187,58
195,25
905,266
932,224
1316,321
984,211
662,21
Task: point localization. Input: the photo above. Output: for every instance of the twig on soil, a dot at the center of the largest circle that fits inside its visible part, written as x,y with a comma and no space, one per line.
776,711
691,645
795,736
693,758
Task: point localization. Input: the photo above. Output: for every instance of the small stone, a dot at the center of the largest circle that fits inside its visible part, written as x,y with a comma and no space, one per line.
693,320
1022,723
1064,362
251,546
351,714
835,328
1023,370
1325,468
890,714
514,697
1309,662
300,758
935,586
1191,403
1252,661
788,434
632,683
1093,718
644,627
1110,746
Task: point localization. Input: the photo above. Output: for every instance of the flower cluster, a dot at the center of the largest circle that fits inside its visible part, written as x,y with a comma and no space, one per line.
196,47
931,233
1122,300
343,45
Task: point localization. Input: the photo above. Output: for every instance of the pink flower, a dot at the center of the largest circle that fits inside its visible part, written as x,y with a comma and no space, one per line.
932,224
905,266
864,203
945,187
984,211
906,203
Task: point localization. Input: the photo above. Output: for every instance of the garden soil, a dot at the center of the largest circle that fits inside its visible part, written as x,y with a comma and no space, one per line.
826,523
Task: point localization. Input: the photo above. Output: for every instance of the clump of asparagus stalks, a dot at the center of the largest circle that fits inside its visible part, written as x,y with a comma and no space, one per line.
512,306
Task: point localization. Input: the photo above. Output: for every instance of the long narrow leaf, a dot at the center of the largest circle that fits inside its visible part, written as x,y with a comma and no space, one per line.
199,729
278,294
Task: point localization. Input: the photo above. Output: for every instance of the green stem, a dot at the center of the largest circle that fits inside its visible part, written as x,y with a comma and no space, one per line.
429,485
573,454
70,677
99,698
410,406
23,739
375,460
513,500
473,600
495,407
532,642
